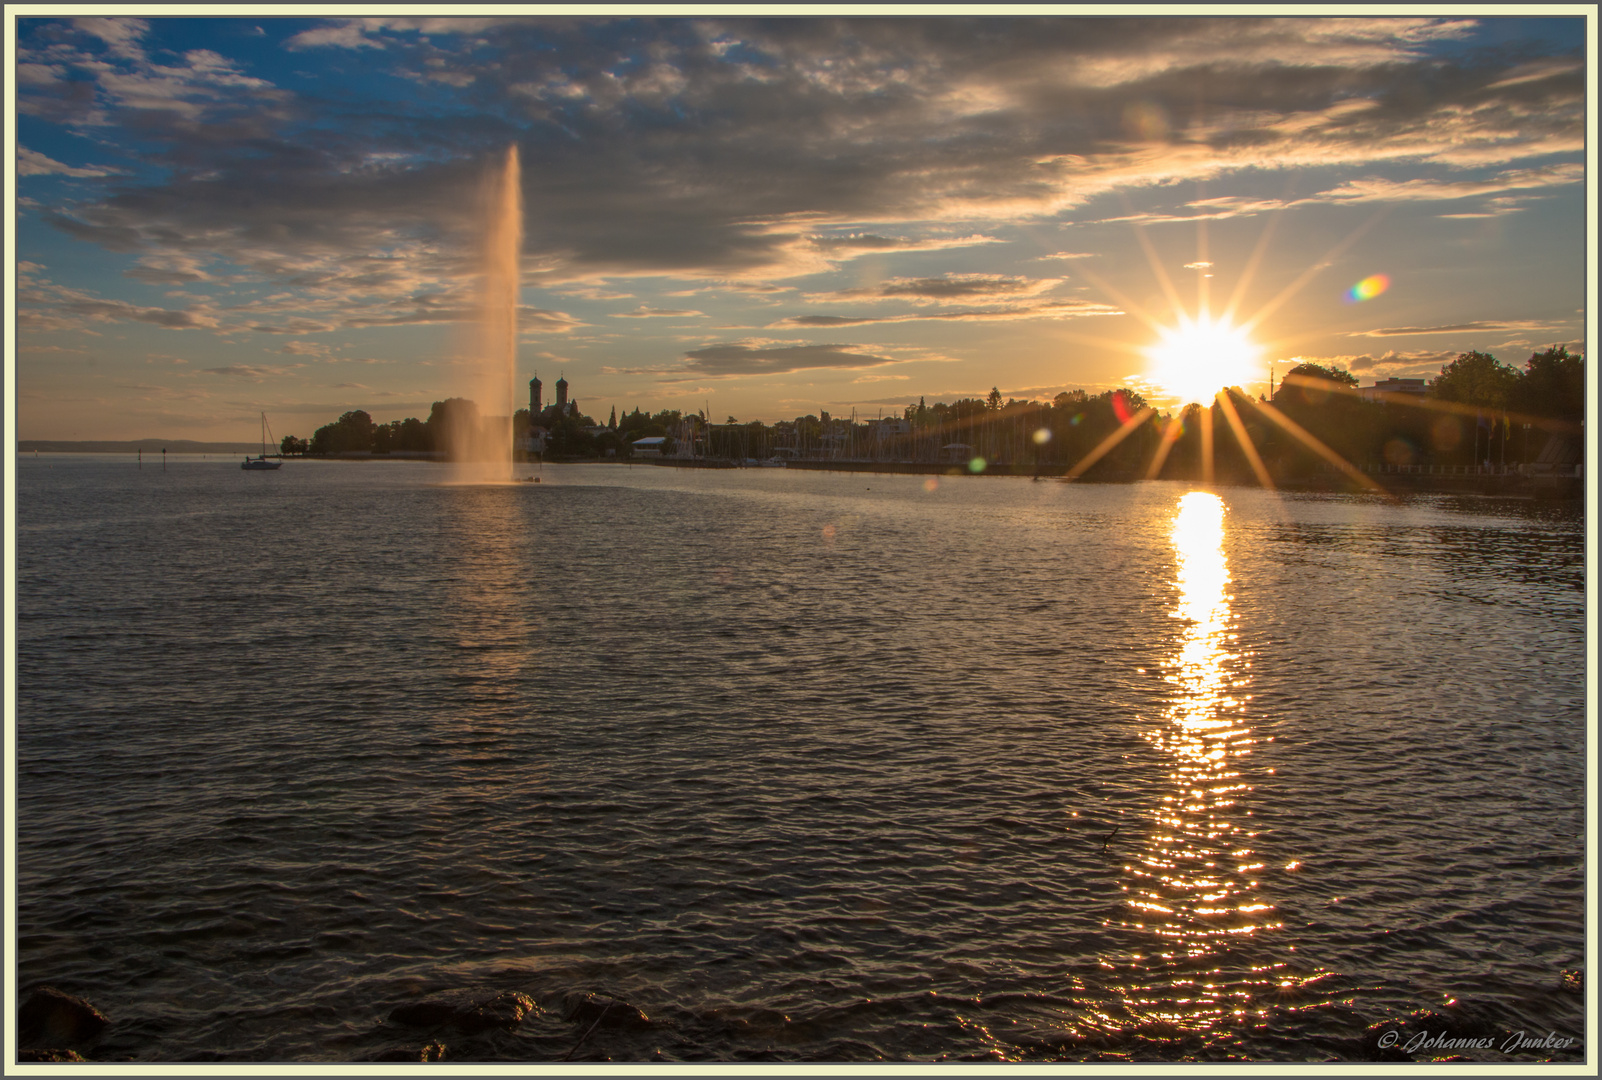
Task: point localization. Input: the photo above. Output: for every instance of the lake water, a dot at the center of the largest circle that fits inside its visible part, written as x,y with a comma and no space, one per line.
803,765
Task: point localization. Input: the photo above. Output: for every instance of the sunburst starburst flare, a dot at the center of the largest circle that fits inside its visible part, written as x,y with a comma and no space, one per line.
1196,358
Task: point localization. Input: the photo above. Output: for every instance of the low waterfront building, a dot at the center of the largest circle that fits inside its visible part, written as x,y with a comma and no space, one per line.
1383,387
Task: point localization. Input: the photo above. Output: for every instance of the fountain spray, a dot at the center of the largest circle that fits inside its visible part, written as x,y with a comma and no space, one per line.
482,445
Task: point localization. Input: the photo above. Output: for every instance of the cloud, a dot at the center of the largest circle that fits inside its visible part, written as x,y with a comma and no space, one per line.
951,288
1060,309
33,163
598,292
96,74
169,268
643,312
354,33
27,348
739,154
121,34
742,359
863,126
242,371
1433,190
346,35
43,305
1214,209
1425,363
1536,71
853,245
541,321
290,326
1487,326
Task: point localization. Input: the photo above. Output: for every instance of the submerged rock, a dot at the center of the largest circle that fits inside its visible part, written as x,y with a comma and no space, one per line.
52,1018
606,1012
472,1009
432,1052
49,1055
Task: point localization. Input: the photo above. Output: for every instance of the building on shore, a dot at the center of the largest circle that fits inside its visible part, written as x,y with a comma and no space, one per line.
1380,389
542,417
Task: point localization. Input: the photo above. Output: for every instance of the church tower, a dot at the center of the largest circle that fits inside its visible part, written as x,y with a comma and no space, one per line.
534,400
561,394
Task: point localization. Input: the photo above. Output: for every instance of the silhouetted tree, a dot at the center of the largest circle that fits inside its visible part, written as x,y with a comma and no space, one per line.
351,432
1476,378
1552,384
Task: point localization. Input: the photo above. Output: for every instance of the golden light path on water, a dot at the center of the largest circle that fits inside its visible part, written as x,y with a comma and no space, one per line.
1194,884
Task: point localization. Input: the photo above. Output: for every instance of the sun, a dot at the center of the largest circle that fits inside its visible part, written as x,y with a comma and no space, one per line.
1199,357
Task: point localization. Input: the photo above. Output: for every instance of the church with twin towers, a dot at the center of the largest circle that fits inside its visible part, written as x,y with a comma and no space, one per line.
542,418
537,410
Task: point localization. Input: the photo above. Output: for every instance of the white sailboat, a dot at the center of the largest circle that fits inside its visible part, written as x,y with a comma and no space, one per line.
262,462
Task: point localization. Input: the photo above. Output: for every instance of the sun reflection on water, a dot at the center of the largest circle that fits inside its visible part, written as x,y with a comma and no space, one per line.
488,622
1194,883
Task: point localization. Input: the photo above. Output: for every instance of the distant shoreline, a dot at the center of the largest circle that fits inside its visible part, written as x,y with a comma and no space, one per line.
171,446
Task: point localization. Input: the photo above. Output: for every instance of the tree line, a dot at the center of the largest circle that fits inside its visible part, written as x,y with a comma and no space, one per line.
1477,409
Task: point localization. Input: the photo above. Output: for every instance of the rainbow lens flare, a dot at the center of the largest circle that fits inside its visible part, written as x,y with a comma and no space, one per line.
1368,288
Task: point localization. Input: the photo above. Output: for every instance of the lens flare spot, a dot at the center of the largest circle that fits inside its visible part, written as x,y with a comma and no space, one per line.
1368,288
1042,436
977,465
828,532
930,484
1399,451
1446,433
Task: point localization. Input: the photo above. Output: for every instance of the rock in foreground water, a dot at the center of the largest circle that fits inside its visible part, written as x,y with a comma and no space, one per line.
432,1052
49,1055
52,1018
610,1012
472,1009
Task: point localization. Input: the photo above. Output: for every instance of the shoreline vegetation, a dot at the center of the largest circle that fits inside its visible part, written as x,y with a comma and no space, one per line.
1480,427
1478,417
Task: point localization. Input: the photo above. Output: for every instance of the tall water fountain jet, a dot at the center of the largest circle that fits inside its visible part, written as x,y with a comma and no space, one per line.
481,445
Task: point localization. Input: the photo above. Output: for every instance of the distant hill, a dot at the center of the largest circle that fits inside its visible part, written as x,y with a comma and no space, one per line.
172,446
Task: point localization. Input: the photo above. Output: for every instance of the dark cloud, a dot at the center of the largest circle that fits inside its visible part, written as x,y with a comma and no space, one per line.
291,326
655,313
1050,310
241,371
727,149
953,288
737,359
844,247
860,242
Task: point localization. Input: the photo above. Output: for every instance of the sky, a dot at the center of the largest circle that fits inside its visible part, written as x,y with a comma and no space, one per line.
768,217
